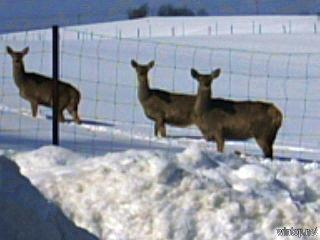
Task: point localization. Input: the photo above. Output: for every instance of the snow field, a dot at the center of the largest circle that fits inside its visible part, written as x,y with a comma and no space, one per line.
143,195
153,27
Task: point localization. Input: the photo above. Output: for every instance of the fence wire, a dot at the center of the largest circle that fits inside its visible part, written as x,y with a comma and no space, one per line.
112,117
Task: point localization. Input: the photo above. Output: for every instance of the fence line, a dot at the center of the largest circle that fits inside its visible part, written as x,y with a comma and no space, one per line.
153,27
207,29
113,117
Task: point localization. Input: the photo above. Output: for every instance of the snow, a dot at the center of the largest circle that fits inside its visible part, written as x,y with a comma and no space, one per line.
113,178
26,214
203,26
193,195
154,27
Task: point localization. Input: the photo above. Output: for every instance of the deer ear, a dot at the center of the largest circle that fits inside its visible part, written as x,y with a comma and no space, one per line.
25,51
134,64
151,64
215,73
194,73
9,50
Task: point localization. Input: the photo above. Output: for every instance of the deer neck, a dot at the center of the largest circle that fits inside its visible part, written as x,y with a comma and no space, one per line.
144,89
202,100
18,73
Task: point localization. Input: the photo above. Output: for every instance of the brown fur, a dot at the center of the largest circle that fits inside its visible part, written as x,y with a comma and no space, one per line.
37,89
160,106
221,119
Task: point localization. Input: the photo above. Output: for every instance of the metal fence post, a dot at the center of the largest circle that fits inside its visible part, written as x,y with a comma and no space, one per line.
290,27
55,89
216,28
173,32
260,29
253,27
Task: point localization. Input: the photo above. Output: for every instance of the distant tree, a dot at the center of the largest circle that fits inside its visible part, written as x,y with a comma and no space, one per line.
202,12
165,10
139,12
304,12
169,10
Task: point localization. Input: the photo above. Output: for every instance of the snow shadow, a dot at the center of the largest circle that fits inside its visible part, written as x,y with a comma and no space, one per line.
87,121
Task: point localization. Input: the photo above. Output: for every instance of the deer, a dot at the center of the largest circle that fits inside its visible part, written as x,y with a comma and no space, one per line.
161,106
222,119
37,88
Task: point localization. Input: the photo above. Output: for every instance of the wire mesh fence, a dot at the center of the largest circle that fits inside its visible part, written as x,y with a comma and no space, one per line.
111,114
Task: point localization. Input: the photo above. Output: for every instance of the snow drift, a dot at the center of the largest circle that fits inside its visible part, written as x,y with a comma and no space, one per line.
25,214
194,194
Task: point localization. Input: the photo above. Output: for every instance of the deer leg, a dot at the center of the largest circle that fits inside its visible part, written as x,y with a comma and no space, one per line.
163,132
266,147
219,141
160,127
156,128
60,116
73,111
34,108
272,136
76,117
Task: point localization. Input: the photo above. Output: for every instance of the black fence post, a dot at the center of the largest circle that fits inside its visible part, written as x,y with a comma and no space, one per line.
55,89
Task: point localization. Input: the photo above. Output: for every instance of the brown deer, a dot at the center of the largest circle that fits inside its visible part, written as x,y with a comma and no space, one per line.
160,106
37,89
221,119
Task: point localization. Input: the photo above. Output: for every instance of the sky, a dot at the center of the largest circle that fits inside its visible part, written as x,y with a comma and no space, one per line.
32,14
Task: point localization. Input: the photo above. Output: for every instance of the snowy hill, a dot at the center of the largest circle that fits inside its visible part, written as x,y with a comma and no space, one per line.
152,27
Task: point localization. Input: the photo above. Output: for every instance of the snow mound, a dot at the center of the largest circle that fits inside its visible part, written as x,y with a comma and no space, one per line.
192,195
26,214
254,172
48,156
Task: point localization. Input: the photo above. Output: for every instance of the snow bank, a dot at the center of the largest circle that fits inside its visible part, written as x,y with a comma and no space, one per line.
193,195
26,214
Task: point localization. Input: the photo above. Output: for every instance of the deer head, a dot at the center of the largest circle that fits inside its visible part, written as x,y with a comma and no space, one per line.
142,70
205,80
17,56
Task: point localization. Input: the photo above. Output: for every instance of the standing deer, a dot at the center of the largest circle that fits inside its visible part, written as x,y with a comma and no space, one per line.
161,106
37,89
221,119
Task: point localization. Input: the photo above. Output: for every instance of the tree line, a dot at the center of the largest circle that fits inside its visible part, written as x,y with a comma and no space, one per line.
165,10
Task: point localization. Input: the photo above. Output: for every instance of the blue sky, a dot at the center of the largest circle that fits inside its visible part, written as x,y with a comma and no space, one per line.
30,14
